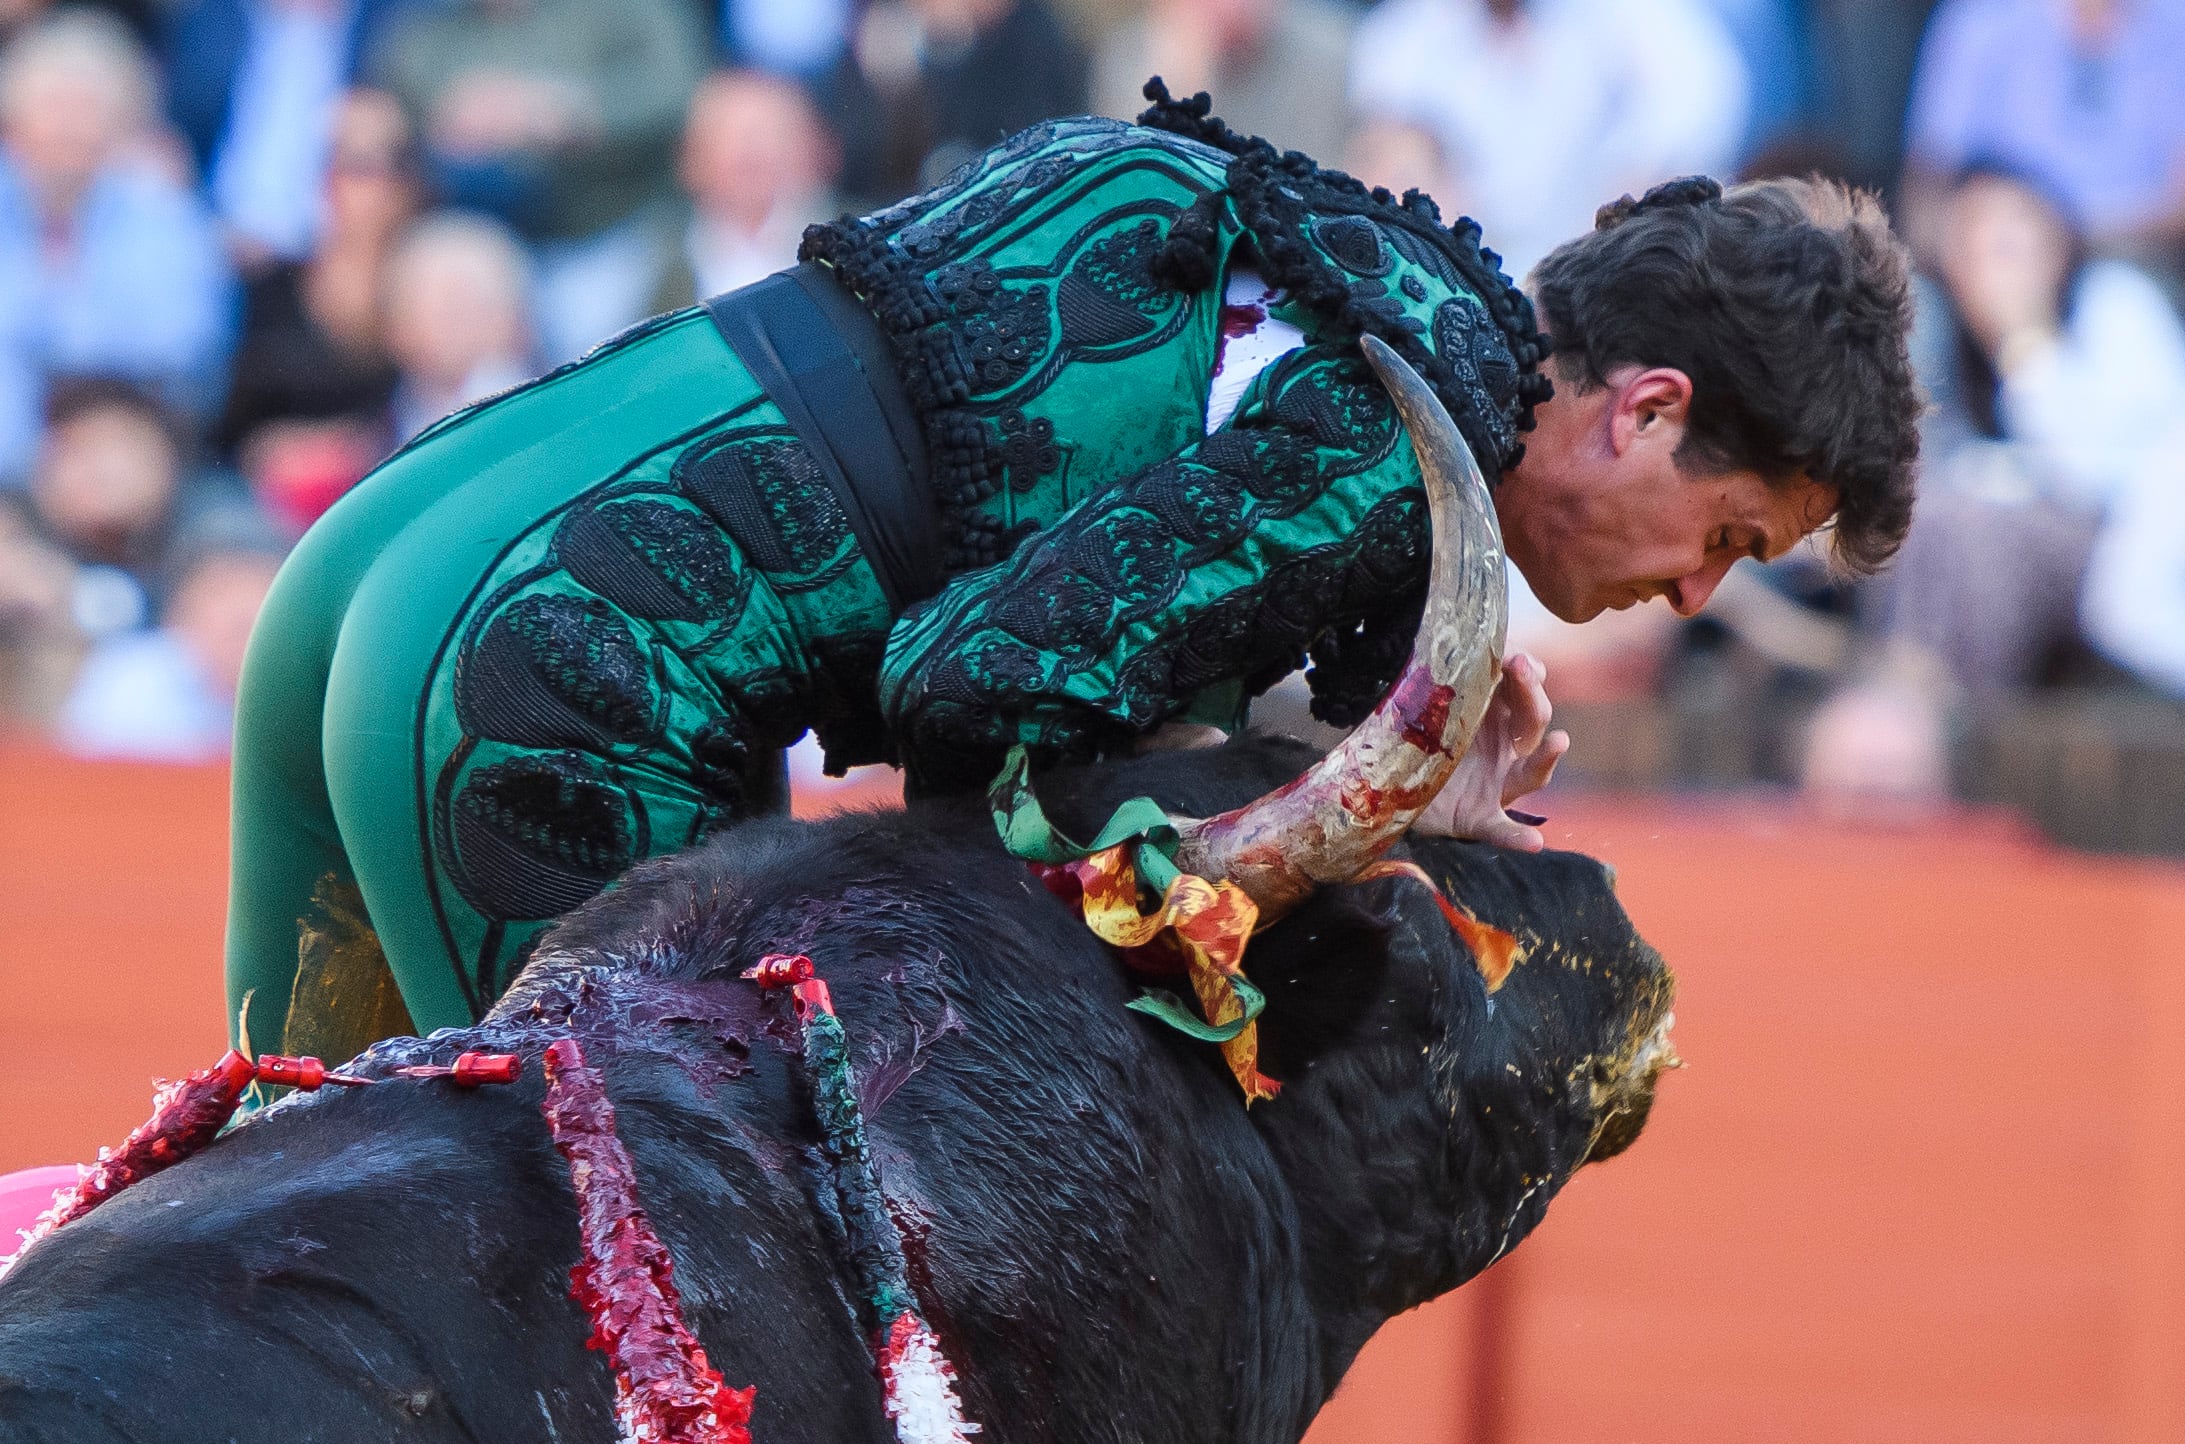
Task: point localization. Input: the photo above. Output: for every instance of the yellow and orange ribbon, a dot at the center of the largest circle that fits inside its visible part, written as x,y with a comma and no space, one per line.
1201,925
1197,926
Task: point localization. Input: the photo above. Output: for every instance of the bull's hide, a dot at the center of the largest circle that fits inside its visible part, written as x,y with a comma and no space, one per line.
1111,1247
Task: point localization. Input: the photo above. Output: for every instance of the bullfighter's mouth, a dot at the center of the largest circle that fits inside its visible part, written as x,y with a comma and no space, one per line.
1623,1084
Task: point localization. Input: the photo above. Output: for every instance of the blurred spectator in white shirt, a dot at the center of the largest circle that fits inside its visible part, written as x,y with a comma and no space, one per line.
2048,475
167,693
107,263
455,317
2055,379
758,165
2133,603
1274,67
1548,109
2078,361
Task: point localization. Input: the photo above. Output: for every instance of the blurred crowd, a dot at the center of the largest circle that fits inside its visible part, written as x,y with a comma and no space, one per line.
247,247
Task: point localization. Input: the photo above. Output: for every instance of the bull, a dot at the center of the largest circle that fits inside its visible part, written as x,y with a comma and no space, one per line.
1109,1246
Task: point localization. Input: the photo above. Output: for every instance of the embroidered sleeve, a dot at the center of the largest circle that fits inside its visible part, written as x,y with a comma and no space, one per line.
1298,527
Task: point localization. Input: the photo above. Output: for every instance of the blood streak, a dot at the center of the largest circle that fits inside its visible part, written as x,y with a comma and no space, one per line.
1373,805
665,1390
185,1117
1422,709
1237,320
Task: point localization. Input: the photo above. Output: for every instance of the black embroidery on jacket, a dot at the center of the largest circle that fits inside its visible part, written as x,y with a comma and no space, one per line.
540,833
1286,201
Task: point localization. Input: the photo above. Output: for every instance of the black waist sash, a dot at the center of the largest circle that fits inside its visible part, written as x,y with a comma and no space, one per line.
822,358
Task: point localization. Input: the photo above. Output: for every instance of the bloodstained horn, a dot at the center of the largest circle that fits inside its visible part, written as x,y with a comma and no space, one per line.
1350,807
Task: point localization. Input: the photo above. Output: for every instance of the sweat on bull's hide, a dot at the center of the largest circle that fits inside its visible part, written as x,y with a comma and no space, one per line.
1108,1245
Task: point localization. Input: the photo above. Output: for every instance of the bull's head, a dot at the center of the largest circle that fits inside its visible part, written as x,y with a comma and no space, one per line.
1431,1106
1347,809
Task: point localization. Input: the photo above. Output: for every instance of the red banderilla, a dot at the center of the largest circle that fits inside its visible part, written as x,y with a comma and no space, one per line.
470,1070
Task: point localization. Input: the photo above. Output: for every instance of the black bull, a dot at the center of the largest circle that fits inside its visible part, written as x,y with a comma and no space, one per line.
1110,1246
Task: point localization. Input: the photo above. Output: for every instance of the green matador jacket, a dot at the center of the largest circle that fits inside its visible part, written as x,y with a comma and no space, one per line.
573,626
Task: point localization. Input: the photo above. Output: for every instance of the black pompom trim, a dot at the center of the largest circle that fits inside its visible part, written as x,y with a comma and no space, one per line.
1276,194
964,469
1274,197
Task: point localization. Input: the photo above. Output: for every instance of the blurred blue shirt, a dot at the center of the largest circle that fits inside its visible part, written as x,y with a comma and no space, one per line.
266,173
143,696
137,285
2006,81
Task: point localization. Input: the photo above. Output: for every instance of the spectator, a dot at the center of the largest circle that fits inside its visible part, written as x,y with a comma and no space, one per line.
929,83
2082,94
758,166
2078,362
455,317
106,491
39,643
167,694
1275,67
106,263
802,38
307,413
2057,382
559,118
1548,108
2133,604
254,86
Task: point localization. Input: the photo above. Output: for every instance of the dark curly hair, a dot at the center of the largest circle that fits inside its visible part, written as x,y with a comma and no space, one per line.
1787,303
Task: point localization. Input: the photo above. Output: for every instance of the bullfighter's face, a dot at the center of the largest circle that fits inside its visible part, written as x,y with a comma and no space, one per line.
1608,508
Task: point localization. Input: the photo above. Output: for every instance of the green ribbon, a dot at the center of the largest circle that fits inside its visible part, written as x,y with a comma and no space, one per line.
1170,1009
1026,833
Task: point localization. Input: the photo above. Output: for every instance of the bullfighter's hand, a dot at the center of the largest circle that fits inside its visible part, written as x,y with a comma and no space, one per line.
1514,754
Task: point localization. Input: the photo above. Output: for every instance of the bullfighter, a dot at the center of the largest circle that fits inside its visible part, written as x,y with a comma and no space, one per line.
1077,445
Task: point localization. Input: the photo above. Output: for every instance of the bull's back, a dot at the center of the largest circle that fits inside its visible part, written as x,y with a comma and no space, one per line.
392,1265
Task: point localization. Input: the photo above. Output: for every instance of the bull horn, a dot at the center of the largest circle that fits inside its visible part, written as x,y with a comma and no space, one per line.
1351,806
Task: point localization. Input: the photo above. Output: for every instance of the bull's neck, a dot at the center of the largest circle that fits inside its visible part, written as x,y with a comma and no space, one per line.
1405,1184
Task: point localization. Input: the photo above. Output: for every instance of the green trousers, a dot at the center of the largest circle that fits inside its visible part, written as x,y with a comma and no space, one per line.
540,643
